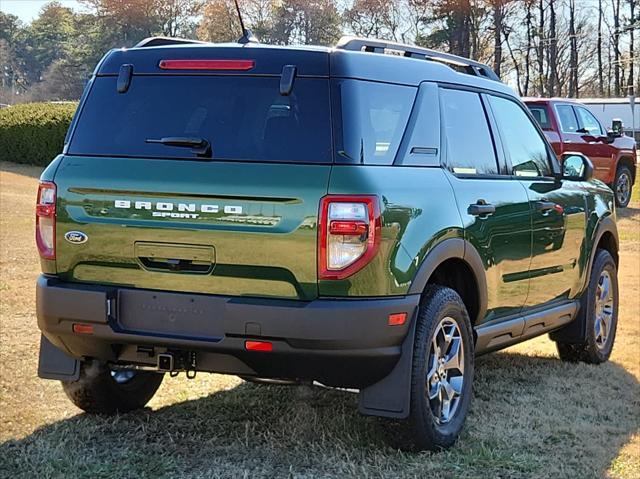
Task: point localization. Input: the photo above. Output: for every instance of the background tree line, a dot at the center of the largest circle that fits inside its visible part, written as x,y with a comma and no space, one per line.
540,47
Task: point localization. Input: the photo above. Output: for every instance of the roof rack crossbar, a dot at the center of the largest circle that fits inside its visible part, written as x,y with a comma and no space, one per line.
379,46
160,41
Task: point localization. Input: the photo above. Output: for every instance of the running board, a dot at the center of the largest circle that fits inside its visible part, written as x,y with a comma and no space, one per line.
492,337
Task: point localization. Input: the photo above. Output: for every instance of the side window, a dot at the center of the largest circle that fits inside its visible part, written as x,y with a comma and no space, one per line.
541,116
524,144
470,148
588,121
370,120
568,121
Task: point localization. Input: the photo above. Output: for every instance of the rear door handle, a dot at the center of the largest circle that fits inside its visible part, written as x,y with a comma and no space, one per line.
545,206
481,208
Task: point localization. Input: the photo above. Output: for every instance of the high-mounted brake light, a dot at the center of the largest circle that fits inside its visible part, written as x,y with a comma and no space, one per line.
46,220
348,234
241,65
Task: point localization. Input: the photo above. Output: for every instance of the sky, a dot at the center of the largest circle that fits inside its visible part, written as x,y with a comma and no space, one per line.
27,10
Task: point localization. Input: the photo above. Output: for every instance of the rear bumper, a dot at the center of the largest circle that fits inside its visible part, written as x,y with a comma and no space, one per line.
339,342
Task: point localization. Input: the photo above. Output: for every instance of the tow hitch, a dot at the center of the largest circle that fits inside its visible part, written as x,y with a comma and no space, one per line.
175,362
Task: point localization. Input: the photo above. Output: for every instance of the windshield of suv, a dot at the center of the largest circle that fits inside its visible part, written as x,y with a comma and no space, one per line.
370,120
241,117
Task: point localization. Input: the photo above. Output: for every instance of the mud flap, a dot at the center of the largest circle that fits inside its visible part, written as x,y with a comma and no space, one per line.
391,396
55,364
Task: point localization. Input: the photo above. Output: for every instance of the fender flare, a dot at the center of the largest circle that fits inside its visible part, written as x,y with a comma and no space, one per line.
454,248
605,225
576,332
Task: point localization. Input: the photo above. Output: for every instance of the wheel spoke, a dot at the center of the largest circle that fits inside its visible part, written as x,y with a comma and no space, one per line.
433,361
446,410
456,383
448,389
598,329
452,361
434,391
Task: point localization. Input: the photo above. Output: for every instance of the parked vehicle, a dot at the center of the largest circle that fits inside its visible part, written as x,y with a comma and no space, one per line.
570,126
346,216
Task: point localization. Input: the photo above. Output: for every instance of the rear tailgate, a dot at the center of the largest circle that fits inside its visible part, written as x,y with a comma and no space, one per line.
237,217
212,227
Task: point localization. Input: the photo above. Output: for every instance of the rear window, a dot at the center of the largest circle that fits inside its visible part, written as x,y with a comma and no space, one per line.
243,118
370,120
541,116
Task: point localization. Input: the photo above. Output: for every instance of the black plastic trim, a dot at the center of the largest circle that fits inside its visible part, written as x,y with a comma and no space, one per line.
453,248
503,333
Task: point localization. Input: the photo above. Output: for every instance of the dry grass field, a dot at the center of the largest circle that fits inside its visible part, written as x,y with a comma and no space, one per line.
532,415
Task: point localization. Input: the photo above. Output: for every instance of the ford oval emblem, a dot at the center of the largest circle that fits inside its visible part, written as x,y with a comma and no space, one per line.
76,237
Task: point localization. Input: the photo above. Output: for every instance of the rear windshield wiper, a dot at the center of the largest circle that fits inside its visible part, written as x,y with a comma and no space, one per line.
199,146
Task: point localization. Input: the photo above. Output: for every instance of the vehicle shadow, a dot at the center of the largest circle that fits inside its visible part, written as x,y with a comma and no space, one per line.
531,417
628,212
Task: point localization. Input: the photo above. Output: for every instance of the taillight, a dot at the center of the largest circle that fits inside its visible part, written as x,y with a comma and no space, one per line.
349,234
46,220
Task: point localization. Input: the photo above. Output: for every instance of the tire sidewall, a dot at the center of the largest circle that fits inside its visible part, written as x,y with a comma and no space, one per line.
603,261
444,303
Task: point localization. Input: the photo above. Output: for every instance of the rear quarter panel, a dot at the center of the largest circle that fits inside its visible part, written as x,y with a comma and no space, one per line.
418,212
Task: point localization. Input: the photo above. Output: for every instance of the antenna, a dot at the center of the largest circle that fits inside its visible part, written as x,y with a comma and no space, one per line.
247,35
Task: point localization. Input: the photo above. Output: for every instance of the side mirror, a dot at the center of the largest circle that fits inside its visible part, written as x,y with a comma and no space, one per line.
611,137
576,167
617,128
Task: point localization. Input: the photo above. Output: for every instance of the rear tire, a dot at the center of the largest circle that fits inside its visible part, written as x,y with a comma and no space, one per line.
622,186
101,390
599,311
442,372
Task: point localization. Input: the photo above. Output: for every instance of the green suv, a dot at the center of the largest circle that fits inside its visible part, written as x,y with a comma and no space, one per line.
370,216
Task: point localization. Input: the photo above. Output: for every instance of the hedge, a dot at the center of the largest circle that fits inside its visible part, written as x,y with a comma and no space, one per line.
33,133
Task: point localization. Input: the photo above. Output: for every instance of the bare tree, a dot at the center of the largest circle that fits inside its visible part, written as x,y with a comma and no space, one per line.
552,52
616,47
529,46
498,15
599,50
635,23
541,47
573,58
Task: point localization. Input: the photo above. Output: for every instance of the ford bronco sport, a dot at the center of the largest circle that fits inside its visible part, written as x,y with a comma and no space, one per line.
369,216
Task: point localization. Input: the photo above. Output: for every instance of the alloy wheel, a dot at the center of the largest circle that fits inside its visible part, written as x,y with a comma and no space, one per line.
603,309
623,188
445,375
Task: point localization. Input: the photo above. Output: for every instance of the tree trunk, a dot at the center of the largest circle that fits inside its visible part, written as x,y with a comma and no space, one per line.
553,50
498,15
616,47
541,50
527,57
631,81
599,51
573,55
515,64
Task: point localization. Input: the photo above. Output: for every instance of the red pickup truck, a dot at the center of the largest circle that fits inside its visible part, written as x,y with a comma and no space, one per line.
569,126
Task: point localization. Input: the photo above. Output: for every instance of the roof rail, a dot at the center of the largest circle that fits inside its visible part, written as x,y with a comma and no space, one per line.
380,46
159,41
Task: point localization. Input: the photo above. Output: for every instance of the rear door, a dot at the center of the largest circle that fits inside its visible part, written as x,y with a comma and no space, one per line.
494,208
240,220
558,208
